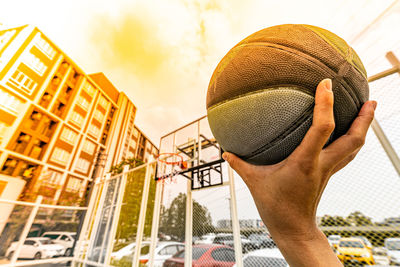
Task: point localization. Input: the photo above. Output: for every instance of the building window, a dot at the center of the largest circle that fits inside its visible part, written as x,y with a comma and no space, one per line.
45,47
82,165
69,136
98,115
73,185
3,129
22,81
60,156
77,118
51,178
88,147
5,37
135,132
103,102
35,64
89,89
9,102
94,130
83,102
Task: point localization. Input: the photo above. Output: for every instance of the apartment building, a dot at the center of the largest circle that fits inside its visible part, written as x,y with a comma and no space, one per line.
57,124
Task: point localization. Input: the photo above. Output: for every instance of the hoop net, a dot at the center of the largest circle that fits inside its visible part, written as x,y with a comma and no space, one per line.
170,159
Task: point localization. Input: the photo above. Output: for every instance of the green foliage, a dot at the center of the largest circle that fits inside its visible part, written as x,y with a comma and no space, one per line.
130,210
173,219
132,162
328,220
358,219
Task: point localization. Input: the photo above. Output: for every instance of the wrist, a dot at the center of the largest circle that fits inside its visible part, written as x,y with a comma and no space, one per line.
309,248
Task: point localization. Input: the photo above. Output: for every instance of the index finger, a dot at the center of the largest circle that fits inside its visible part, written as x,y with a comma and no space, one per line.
323,123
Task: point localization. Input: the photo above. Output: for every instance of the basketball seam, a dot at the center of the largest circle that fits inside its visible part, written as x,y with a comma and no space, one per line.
270,88
348,56
305,116
306,56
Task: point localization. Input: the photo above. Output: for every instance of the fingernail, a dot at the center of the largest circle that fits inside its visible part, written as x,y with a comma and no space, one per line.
224,156
328,84
374,104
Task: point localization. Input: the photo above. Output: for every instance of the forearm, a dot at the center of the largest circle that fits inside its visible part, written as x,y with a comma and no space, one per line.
310,250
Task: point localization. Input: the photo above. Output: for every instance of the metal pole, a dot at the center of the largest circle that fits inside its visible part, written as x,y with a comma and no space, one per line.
26,229
380,134
235,221
98,211
142,215
156,221
387,146
188,224
115,219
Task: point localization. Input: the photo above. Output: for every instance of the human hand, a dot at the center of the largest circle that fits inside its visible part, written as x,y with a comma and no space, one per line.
287,193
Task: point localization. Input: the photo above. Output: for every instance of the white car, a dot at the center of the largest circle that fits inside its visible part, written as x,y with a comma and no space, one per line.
334,240
36,248
380,256
163,251
393,250
206,239
264,257
65,239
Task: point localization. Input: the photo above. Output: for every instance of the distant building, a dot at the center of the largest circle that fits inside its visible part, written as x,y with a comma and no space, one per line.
58,124
243,223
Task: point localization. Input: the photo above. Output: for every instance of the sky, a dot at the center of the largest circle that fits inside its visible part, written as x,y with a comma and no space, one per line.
162,54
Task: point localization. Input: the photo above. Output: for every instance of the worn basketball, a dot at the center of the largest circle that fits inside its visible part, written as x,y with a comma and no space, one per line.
260,98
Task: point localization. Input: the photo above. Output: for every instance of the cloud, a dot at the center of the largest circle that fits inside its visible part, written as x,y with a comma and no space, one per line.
131,41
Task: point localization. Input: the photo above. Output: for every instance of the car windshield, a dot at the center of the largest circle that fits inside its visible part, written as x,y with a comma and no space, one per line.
334,237
253,261
393,245
196,253
46,242
351,244
51,236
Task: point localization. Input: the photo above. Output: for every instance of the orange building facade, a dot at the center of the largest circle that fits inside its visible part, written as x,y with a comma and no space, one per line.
59,128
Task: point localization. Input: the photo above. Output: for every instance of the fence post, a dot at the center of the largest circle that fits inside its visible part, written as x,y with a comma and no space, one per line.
26,229
118,205
156,221
188,224
235,221
142,215
387,146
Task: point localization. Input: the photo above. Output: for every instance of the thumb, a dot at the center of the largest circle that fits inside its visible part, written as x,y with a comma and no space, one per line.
236,163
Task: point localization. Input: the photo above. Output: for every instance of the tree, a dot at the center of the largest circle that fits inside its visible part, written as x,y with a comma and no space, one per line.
130,210
173,219
356,218
328,220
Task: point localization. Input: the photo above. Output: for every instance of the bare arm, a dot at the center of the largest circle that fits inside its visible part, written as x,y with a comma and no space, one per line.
287,194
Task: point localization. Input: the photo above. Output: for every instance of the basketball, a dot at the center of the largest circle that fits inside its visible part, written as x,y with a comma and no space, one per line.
260,97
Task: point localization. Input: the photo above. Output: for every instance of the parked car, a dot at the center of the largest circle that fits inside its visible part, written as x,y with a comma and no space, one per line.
393,249
206,239
354,251
163,251
227,239
334,240
261,241
205,255
127,250
65,239
267,257
380,256
36,248
366,241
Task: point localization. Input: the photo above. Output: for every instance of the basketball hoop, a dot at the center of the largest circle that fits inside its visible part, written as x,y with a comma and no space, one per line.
181,163
162,158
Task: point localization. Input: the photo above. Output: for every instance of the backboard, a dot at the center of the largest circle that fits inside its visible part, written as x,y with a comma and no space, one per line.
194,144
